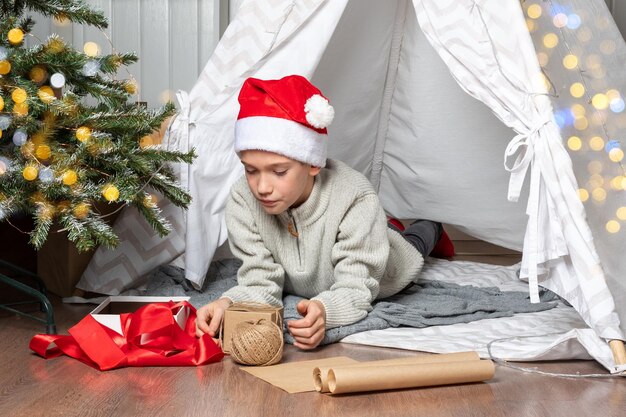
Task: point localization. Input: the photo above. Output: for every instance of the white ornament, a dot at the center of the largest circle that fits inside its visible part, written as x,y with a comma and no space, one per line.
2,213
19,137
4,53
57,80
5,165
319,113
5,122
91,68
46,174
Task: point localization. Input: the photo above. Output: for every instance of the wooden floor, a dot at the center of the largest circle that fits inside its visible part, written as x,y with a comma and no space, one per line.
31,386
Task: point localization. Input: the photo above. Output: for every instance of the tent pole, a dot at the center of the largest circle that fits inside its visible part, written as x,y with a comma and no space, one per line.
619,351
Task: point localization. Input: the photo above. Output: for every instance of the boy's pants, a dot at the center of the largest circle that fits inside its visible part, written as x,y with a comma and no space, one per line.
422,234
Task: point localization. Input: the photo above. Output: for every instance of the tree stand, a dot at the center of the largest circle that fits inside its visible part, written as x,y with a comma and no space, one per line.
39,293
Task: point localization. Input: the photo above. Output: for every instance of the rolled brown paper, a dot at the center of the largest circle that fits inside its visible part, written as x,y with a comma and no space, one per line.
342,380
320,375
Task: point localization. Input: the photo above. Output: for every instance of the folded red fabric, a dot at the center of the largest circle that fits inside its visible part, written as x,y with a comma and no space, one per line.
151,337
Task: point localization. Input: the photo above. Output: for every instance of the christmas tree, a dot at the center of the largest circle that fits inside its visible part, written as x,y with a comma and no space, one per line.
58,155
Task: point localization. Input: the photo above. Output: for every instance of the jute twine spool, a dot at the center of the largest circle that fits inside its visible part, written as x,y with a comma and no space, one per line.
257,343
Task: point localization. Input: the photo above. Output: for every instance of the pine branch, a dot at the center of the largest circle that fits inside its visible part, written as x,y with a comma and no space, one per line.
76,11
39,235
152,214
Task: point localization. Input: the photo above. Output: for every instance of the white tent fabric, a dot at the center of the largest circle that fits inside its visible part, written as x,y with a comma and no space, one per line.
442,163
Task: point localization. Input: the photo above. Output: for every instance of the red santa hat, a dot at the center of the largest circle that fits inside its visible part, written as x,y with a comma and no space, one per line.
287,116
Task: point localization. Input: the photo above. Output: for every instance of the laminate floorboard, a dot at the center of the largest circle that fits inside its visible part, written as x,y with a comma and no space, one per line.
31,386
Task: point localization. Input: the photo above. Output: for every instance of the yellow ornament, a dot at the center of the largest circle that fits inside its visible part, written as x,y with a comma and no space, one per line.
0,134
46,94
91,49
130,86
21,109
5,67
110,192
69,177
16,36
38,74
43,152
81,210
55,45
19,95
83,133
1,103
30,173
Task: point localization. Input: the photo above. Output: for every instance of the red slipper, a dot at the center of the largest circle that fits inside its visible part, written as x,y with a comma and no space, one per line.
397,223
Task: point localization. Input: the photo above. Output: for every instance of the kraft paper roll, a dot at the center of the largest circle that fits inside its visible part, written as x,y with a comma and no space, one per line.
320,374
375,378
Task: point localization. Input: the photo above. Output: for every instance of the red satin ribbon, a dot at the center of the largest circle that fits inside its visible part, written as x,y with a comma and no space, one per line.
164,344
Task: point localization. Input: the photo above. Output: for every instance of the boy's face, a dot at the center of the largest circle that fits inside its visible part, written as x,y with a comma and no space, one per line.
276,181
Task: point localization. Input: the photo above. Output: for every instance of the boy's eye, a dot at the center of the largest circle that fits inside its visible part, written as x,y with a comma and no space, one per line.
250,171
280,173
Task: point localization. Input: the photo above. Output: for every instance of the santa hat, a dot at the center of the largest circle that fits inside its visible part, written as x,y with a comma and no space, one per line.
287,116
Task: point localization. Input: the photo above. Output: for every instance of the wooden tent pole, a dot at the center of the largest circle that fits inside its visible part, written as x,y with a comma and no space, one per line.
619,351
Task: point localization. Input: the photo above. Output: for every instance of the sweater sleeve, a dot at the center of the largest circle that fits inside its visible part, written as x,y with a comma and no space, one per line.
359,257
259,279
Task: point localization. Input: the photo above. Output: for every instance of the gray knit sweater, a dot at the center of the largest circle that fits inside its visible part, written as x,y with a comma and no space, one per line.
345,255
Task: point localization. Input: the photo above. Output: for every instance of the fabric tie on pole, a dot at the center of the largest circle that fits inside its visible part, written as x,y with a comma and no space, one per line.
524,146
184,118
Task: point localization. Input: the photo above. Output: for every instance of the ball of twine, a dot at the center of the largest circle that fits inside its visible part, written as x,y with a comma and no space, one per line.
257,343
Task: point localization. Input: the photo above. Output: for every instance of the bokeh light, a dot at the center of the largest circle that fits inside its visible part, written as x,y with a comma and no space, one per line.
574,143
583,194
599,194
613,226
573,21
621,213
560,20
596,143
534,11
594,167
91,49
577,90
616,155
550,40
600,101
570,61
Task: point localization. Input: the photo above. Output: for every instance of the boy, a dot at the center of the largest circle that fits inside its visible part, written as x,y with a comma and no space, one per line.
304,225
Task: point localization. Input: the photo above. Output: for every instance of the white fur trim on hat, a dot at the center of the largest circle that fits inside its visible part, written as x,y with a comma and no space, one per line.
281,136
319,113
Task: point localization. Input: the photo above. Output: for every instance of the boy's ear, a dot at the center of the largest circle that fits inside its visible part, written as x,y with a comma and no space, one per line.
313,171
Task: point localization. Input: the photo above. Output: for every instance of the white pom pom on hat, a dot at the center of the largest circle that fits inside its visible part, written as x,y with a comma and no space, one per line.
319,113
288,116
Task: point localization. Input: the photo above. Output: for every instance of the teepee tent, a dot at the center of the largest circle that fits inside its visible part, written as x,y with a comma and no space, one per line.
429,97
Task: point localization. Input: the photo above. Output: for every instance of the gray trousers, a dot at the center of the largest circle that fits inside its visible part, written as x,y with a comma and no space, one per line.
422,234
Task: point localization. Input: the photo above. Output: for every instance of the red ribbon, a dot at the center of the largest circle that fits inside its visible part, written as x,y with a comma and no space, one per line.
151,337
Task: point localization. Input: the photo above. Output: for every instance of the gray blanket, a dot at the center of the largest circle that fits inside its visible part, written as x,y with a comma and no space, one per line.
427,303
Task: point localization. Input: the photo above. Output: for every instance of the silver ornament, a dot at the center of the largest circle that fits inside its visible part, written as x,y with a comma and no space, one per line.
19,137
46,175
5,122
91,68
57,80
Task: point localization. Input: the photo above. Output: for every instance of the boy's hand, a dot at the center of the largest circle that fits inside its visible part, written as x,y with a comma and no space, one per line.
309,330
209,317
